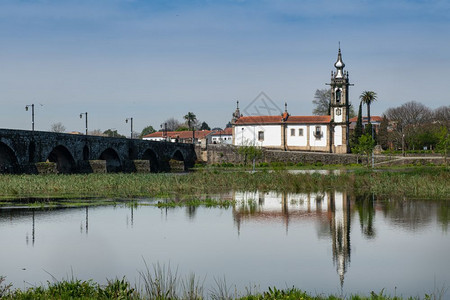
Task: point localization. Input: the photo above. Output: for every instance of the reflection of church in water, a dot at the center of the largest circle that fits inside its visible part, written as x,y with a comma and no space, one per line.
330,208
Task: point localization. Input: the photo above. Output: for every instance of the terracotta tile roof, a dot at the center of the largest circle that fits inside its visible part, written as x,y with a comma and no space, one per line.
278,120
199,134
372,119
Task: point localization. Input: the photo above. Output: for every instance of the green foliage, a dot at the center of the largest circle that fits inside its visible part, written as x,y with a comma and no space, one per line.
358,131
190,118
205,126
443,144
250,153
147,130
365,146
112,133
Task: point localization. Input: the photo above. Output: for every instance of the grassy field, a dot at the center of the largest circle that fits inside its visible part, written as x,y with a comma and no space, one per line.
418,182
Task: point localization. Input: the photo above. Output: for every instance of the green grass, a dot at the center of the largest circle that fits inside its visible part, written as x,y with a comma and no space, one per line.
418,182
160,282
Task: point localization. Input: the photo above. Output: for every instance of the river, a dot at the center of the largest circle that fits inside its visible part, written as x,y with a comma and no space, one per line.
330,243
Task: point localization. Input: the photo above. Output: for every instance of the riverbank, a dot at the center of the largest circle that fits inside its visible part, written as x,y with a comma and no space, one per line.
416,182
163,286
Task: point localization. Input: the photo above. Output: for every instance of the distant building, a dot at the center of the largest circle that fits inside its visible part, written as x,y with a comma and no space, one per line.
222,136
375,120
308,133
178,136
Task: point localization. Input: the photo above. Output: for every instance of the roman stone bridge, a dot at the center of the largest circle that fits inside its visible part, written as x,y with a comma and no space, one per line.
23,151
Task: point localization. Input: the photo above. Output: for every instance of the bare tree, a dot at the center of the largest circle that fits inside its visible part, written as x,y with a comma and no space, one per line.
96,132
322,99
410,114
57,127
406,119
172,124
442,115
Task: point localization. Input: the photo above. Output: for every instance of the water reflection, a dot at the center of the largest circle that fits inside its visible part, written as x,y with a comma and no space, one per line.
334,212
331,209
299,225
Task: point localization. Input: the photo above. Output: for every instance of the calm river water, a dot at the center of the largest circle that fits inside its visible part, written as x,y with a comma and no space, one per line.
321,243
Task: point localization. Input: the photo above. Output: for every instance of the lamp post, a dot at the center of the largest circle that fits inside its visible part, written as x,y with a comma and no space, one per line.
131,121
81,116
32,115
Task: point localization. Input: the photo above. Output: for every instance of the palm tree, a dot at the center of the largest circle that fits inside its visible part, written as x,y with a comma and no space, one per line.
367,97
190,118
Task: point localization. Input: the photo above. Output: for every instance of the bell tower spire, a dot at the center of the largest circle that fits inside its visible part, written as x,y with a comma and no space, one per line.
339,107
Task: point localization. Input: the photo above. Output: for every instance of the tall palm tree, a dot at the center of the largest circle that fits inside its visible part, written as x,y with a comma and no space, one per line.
367,97
190,118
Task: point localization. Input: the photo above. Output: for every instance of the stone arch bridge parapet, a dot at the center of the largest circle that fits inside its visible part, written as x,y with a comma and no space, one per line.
22,150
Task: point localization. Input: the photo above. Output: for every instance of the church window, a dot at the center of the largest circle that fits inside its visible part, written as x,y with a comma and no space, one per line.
338,95
292,132
260,136
300,132
317,132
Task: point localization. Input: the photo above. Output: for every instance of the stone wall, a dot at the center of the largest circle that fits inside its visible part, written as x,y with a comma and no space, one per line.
217,154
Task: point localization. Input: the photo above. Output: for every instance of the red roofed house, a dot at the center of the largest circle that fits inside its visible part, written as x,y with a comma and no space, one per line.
308,133
177,136
375,120
222,136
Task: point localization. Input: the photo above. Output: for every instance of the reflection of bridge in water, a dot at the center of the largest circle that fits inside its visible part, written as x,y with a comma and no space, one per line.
23,151
331,209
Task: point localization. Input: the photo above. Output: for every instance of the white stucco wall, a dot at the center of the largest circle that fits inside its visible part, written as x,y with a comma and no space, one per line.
318,142
338,136
223,139
248,135
297,140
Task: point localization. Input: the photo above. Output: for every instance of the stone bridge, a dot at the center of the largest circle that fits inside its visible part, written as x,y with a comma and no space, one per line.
23,151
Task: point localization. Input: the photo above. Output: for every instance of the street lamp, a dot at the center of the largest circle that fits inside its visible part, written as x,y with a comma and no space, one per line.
81,116
131,121
32,115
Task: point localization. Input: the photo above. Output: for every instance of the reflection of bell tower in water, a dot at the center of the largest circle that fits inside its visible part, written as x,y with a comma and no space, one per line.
339,207
339,108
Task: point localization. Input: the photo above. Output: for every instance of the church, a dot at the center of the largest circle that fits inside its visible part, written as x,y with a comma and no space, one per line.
301,133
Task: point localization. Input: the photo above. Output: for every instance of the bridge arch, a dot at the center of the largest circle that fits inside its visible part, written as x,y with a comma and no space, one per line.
150,155
86,152
113,163
177,162
31,152
8,160
65,163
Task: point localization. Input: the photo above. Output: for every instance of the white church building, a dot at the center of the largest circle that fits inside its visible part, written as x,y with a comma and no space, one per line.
305,133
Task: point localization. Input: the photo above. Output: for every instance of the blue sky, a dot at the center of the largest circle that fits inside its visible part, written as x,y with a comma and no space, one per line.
152,60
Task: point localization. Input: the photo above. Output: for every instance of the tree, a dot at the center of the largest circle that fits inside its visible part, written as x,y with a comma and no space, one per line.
365,146
205,126
96,132
322,100
368,97
147,130
407,118
383,135
250,153
112,133
57,127
190,119
172,124
444,142
358,131
442,115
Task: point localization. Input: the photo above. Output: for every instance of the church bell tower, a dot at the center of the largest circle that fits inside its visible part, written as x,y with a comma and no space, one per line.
339,108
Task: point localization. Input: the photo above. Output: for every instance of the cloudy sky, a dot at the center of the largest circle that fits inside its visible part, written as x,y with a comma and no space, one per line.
152,60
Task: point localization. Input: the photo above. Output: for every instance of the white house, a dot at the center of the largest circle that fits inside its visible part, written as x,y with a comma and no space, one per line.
222,136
